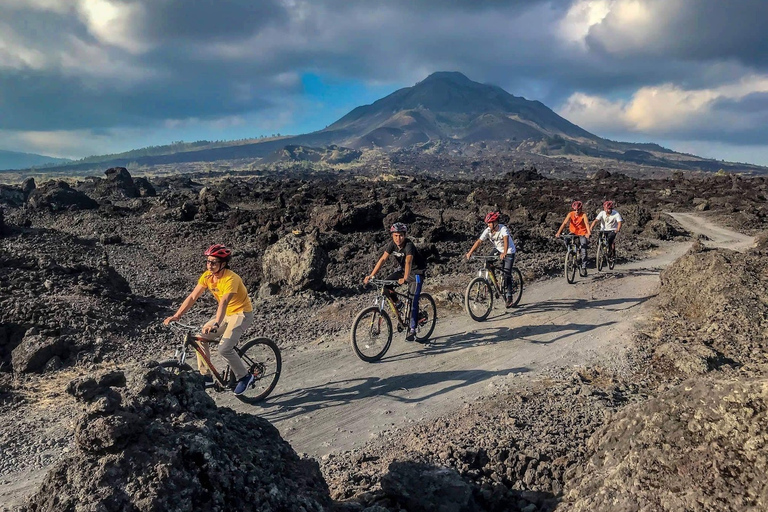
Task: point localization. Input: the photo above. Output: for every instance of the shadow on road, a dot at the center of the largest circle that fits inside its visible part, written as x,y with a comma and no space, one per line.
342,392
621,304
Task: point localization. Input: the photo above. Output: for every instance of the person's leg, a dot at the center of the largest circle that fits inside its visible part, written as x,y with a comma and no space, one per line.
415,282
507,264
612,242
211,336
584,243
236,326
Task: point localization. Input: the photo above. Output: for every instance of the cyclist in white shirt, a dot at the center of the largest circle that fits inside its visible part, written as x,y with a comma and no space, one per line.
499,235
610,220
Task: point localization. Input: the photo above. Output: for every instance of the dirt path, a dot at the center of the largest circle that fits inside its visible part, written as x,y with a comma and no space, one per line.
328,400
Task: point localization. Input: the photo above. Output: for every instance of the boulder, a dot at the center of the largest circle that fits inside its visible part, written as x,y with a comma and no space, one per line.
144,187
34,351
11,195
421,487
157,441
27,187
57,195
346,218
294,263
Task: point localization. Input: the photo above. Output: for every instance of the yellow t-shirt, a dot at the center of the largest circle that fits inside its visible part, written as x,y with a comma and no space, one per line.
228,283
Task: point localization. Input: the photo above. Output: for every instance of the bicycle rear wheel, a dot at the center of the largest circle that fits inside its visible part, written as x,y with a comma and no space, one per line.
612,259
427,318
263,360
371,334
570,267
517,286
478,299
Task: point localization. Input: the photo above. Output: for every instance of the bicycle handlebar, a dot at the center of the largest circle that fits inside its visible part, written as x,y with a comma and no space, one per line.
182,327
382,282
484,258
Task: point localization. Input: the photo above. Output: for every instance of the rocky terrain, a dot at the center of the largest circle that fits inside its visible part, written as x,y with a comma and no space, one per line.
88,270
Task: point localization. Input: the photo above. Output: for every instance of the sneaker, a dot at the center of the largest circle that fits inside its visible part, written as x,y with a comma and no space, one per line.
510,303
242,384
208,381
411,335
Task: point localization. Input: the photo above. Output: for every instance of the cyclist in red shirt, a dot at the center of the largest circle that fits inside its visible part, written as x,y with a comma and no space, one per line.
578,224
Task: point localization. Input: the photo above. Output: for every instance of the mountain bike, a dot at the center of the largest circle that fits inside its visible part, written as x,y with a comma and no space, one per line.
604,254
480,293
260,355
372,331
572,258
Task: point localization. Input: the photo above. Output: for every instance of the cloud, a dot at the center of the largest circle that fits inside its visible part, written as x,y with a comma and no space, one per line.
732,112
122,66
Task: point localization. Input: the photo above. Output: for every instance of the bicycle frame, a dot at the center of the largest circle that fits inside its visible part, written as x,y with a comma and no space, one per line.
194,343
382,299
488,272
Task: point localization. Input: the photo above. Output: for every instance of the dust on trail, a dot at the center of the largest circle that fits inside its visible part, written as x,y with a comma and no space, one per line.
328,400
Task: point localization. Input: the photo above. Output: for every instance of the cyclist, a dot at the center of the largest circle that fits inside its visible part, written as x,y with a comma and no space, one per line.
498,235
610,220
412,270
578,224
233,316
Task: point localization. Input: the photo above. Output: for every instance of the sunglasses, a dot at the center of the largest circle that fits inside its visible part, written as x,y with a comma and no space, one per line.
212,262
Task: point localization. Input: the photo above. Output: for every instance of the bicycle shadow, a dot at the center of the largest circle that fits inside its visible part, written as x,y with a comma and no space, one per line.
343,392
626,303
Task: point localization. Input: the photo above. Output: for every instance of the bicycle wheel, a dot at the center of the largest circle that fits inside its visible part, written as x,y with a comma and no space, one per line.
371,334
478,299
517,286
174,367
427,318
570,267
262,358
600,257
612,259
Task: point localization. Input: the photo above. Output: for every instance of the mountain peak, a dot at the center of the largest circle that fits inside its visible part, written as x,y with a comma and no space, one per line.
454,77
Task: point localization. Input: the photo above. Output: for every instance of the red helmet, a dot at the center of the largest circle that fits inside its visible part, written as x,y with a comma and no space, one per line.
608,205
492,217
398,227
576,205
219,251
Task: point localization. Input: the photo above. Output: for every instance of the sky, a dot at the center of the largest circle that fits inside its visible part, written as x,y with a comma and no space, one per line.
90,77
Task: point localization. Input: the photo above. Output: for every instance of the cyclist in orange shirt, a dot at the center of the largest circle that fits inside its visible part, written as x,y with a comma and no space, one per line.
578,224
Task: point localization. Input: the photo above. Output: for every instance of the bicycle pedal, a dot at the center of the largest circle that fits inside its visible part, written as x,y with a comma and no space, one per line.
400,328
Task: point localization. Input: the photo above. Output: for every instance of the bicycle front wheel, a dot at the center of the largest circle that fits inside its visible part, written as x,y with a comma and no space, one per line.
371,334
174,367
612,259
600,258
263,360
517,286
570,267
478,299
427,318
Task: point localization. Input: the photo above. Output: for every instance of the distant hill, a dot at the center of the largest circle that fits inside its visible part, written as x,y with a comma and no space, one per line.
15,160
446,108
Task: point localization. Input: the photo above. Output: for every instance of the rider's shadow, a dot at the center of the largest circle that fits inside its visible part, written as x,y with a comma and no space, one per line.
397,387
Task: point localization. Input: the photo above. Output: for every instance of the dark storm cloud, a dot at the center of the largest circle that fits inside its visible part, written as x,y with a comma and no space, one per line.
167,20
698,30
207,59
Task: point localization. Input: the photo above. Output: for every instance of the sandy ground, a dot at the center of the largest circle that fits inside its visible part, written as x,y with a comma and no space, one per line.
328,400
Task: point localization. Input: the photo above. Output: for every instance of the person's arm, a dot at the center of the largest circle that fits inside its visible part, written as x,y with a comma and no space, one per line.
592,226
188,302
407,271
474,247
221,312
506,247
376,267
618,226
562,226
586,224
